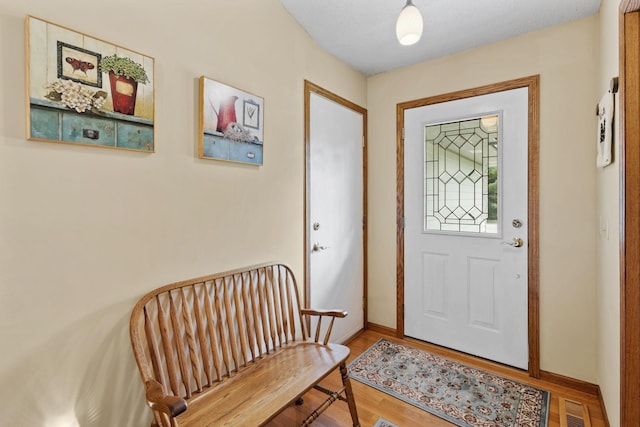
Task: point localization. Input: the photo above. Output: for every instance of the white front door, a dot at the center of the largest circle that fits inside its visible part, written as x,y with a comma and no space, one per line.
335,212
466,225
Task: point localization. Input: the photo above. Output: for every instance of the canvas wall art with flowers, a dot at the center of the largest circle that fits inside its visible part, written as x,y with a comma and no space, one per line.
87,91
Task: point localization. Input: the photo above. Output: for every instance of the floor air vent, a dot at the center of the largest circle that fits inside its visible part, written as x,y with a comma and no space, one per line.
573,414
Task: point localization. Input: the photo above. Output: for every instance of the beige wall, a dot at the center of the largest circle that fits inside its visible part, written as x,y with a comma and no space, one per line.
608,188
84,232
565,57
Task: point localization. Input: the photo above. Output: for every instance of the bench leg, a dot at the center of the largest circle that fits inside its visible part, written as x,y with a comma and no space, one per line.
350,399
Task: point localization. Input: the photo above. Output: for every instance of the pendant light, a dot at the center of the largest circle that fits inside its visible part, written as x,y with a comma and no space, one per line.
409,25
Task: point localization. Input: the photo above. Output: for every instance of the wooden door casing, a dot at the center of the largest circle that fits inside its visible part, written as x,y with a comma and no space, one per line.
629,207
533,84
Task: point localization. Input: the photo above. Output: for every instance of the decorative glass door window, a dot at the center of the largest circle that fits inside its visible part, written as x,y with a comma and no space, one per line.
461,176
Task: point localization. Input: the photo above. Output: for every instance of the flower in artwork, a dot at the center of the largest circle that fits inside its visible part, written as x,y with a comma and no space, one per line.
75,96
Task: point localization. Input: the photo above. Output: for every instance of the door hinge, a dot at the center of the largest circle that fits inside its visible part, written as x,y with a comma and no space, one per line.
362,141
402,223
402,138
403,311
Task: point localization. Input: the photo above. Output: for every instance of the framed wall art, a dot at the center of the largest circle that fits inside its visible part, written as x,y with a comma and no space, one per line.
231,123
86,91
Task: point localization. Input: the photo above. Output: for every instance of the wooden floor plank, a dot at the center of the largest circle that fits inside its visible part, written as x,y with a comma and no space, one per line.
373,404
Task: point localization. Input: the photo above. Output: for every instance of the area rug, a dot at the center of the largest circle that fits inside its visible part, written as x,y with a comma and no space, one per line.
383,423
460,394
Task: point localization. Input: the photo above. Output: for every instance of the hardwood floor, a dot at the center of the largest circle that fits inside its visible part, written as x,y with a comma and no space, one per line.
373,404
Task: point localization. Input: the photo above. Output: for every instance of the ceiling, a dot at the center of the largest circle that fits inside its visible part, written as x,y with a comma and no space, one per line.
362,32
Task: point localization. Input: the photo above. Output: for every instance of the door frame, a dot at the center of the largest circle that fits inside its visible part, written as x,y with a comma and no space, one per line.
533,85
310,88
629,43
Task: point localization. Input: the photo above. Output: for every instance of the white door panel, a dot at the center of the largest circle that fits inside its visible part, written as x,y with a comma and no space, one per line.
465,283
336,213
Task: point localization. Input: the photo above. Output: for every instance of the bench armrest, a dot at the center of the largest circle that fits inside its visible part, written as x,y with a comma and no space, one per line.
320,314
158,401
312,312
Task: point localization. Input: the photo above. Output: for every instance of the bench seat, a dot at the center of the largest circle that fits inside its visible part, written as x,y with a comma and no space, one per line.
264,389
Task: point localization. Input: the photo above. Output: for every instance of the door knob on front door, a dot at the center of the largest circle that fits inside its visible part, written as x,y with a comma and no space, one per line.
317,247
516,242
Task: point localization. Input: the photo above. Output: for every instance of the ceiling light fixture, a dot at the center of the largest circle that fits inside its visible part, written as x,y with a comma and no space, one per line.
409,25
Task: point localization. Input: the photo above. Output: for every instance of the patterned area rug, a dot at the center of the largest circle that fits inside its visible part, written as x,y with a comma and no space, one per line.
383,423
465,396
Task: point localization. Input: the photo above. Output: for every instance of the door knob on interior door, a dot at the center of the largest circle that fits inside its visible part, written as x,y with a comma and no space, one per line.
516,242
317,248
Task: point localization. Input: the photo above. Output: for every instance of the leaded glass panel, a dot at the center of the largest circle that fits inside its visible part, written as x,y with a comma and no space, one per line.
461,176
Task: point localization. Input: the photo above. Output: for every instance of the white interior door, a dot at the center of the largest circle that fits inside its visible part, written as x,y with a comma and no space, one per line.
335,217
466,225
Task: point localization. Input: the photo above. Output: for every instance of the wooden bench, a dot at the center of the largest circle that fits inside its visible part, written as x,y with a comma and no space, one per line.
233,349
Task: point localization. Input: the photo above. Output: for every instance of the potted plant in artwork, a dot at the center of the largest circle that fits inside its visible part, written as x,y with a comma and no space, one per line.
124,76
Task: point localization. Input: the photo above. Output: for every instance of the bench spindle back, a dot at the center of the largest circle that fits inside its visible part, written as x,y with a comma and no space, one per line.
191,335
